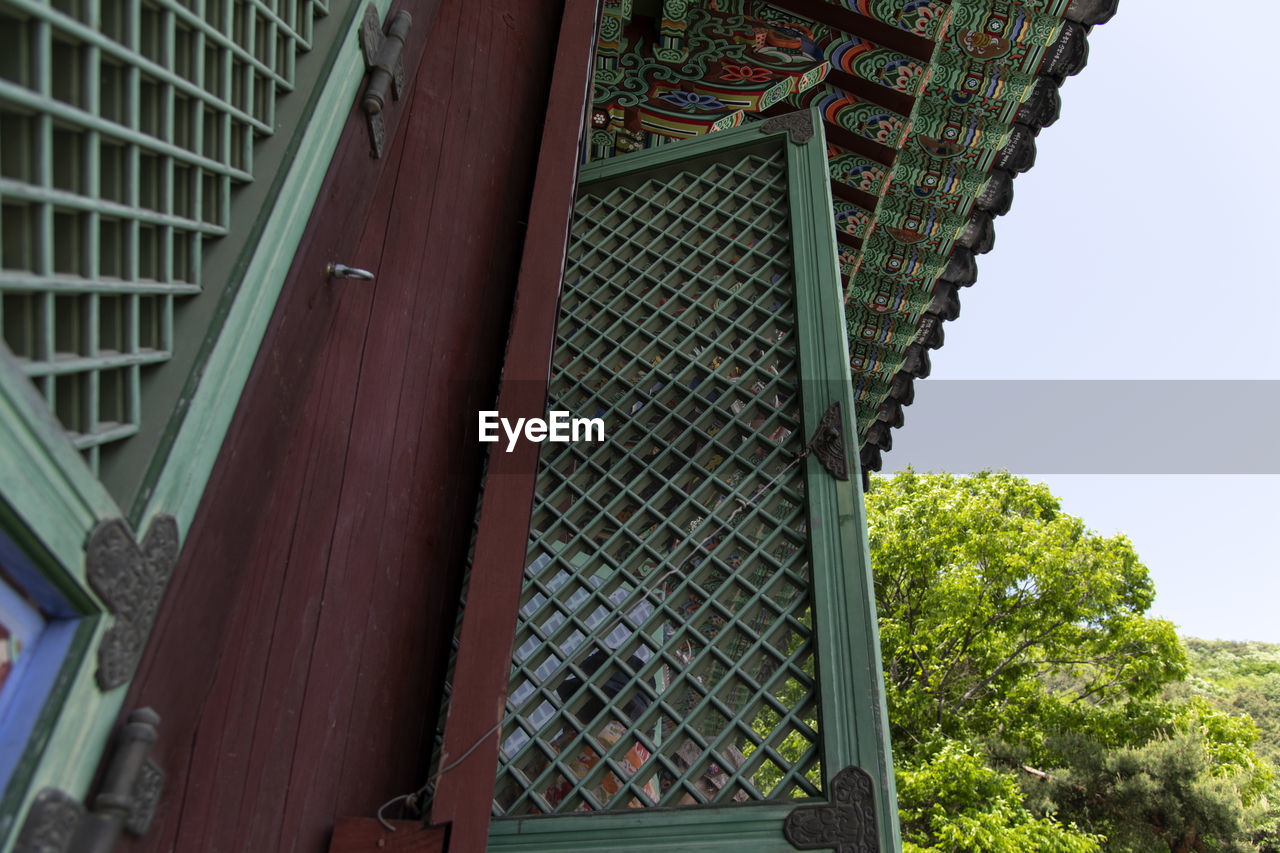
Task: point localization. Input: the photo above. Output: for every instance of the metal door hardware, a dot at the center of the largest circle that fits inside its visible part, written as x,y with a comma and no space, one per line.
827,443
847,824
382,59
126,801
344,271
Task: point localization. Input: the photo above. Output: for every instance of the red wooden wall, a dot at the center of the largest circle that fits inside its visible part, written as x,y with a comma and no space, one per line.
298,657
469,756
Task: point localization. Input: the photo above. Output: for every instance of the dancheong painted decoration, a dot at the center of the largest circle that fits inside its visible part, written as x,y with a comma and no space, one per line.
930,109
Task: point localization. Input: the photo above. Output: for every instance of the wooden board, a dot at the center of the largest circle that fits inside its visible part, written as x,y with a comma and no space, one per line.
366,835
297,662
470,747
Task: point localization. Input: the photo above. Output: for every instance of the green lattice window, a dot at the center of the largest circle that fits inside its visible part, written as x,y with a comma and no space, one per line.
674,555
687,621
125,126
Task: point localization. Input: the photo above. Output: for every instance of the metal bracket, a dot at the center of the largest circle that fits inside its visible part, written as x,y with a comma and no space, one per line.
827,443
131,579
847,824
51,823
58,823
799,124
146,798
382,60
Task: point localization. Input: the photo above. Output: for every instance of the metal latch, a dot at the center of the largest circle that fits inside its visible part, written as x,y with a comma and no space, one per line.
382,60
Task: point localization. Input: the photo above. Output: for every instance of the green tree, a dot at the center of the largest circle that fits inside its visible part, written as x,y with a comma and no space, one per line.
1243,678
1195,784
994,604
1029,692
953,800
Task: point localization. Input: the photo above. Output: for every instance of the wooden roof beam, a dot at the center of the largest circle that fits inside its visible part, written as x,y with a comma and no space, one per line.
846,139
849,240
844,192
869,148
865,90
853,23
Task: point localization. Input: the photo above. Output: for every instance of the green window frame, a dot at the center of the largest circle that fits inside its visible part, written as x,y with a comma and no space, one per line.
668,279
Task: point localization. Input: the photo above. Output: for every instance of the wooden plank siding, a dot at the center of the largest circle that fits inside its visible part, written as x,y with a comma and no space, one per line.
298,657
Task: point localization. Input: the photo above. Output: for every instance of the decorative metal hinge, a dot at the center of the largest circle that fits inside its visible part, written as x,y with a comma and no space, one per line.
58,823
827,443
382,60
847,824
51,823
131,579
799,124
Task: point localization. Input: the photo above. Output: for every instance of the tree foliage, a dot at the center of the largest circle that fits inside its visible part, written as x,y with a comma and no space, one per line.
953,800
1196,784
993,603
1030,694
1240,678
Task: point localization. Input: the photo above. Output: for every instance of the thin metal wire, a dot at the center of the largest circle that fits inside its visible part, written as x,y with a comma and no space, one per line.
412,800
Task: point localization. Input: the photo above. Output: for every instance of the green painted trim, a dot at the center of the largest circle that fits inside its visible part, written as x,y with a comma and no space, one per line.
78,734
848,646
55,497
662,159
49,485
184,457
50,502
11,523
750,828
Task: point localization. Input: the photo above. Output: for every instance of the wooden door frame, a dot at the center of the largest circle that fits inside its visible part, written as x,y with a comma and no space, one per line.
465,793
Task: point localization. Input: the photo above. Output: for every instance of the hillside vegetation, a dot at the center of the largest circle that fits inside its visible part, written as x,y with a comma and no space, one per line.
1033,703
1239,678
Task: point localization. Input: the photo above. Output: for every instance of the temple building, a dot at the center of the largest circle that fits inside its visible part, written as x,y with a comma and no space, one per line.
264,266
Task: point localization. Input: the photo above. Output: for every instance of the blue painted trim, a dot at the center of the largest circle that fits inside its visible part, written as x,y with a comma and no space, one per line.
31,580
32,683
37,682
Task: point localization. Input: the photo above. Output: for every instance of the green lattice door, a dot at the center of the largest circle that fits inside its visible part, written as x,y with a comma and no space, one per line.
696,660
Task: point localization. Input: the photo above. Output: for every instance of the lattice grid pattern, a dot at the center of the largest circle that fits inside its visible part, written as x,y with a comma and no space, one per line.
664,650
124,127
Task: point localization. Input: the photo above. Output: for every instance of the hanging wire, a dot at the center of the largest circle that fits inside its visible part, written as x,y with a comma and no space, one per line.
415,800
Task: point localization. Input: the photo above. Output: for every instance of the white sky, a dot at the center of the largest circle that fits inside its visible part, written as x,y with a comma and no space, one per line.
1140,246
